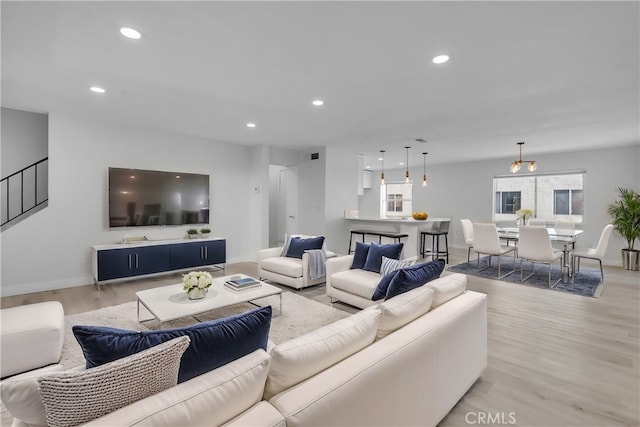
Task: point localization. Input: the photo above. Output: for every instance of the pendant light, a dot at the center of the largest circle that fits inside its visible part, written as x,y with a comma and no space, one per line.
517,164
382,169
406,174
424,169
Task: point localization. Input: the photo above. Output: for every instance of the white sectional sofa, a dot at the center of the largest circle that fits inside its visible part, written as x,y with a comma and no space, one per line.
412,375
404,361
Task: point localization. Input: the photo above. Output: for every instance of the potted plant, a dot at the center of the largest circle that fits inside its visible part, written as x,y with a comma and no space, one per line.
205,231
626,220
192,233
196,284
523,216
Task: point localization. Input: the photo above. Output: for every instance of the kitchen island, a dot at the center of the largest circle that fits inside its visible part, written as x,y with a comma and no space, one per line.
408,226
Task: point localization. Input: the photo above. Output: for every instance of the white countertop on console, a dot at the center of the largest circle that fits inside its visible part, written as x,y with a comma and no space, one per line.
402,220
151,243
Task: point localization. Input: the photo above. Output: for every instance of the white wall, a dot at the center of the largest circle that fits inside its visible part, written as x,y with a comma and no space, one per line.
51,250
311,191
24,139
465,190
341,193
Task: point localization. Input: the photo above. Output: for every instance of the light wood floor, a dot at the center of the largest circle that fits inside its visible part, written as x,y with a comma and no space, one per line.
554,359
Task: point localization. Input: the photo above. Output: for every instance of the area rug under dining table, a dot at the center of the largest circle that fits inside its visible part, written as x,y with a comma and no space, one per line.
299,316
586,283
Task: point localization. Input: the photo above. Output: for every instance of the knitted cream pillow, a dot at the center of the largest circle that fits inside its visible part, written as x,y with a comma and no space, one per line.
72,398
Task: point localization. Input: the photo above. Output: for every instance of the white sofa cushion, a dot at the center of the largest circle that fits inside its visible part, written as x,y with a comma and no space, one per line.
21,396
291,267
402,309
300,358
447,287
212,398
71,398
356,281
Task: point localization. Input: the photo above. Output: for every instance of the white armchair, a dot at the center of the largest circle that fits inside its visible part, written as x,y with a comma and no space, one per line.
294,272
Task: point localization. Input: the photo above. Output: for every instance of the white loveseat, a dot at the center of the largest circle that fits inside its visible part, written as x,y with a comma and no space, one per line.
412,376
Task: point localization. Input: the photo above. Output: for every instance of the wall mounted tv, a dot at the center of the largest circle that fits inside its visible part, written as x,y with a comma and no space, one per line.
151,198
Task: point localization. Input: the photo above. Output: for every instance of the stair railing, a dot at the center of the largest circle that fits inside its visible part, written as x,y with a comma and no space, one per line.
8,200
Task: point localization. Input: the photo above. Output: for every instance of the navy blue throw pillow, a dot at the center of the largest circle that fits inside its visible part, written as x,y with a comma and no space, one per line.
383,286
297,246
360,256
213,343
415,276
376,252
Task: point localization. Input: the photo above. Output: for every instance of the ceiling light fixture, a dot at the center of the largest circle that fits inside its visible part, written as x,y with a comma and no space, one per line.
251,125
382,169
97,89
406,174
318,102
440,59
516,165
130,33
424,169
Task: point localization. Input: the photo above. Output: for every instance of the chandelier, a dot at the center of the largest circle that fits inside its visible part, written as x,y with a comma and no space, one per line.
516,165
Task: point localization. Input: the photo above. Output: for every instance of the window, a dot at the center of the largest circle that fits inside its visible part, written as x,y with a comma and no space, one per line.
395,200
507,202
567,202
550,196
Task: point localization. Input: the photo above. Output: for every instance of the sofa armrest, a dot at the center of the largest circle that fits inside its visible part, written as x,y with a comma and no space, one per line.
269,253
336,265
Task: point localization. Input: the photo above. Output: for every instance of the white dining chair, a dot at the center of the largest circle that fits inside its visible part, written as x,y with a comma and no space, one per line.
562,224
596,253
534,245
537,222
467,232
487,242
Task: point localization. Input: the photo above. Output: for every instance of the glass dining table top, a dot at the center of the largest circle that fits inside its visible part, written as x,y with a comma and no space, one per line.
555,234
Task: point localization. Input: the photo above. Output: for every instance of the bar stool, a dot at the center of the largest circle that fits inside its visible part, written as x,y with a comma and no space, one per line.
437,230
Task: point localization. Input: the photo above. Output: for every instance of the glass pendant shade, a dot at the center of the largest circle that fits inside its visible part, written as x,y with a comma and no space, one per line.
424,169
532,166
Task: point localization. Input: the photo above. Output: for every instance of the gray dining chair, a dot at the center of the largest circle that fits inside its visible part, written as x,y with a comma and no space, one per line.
487,242
534,245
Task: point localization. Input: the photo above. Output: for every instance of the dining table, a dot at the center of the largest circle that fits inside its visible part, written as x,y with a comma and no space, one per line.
564,236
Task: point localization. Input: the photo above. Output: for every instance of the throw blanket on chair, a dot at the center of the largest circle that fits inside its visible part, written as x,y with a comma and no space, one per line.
317,261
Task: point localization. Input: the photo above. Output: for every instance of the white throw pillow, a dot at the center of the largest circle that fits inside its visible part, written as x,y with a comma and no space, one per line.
300,358
72,398
21,396
402,309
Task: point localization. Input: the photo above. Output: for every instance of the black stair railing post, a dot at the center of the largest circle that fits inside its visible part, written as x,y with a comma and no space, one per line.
22,190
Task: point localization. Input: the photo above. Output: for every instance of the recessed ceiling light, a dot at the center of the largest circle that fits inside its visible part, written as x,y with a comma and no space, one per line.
318,102
97,89
440,59
130,33
401,163
380,158
251,125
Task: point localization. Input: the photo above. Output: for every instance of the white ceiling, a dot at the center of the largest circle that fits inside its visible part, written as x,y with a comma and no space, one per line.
558,75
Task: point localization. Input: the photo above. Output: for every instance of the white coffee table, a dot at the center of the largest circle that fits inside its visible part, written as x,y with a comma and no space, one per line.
171,302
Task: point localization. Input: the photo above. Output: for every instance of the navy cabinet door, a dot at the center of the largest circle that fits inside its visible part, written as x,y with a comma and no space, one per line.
185,255
215,252
151,259
115,263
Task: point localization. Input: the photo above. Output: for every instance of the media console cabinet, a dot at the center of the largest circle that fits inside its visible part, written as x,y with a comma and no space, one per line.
127,260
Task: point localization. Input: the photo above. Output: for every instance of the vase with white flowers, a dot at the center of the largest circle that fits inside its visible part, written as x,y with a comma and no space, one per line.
523,216
196,284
